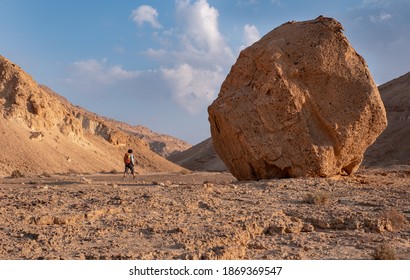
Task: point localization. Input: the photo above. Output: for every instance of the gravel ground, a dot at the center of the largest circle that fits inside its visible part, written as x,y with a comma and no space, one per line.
206,216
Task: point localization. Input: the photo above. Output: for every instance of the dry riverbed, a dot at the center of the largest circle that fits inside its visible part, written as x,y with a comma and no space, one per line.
206,216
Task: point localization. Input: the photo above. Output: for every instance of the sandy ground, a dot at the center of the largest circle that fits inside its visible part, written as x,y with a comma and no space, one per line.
205,216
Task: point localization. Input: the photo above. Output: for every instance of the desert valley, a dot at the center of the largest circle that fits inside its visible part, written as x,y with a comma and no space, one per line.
62,195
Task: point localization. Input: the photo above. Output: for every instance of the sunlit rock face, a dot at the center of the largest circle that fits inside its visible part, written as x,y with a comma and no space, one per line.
299,102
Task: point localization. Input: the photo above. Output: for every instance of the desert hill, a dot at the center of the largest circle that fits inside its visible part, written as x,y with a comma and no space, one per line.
162,144
201,157
41,132
391,148
393,145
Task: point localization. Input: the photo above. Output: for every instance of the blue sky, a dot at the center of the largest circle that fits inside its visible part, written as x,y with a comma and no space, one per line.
161,63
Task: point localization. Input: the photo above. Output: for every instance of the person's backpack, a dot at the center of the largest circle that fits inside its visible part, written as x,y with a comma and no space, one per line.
127,158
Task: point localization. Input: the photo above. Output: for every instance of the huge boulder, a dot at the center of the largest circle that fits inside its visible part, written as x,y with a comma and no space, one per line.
299,102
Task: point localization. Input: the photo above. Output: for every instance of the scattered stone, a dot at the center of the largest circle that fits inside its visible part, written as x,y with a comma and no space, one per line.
88,181
308,228
36,135
207,184
283,224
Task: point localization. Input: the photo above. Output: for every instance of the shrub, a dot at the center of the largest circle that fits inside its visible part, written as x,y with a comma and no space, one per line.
185,171
16,174
397,219
384,252
45,174
318,198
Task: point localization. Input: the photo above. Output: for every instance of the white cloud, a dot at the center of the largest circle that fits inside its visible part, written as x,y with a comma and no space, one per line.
196,65
157,54
200,29
193,60
147,14
255,2
92,73
381,18
193,88
247,2
119,49
376,3
381,27
250,34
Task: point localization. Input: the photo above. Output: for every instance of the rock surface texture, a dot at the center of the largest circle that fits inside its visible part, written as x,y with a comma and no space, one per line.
299,102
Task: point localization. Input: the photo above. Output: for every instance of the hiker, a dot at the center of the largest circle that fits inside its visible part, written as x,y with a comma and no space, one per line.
129,161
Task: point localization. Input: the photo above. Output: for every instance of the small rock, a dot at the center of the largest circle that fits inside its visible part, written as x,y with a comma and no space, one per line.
308,228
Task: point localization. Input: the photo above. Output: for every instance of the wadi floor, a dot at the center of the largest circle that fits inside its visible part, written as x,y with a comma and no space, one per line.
206,216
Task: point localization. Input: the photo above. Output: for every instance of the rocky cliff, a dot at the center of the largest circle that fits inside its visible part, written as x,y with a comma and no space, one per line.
43,132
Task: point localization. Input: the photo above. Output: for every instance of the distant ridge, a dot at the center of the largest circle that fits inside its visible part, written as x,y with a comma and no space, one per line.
201,157
162,144
393,145
41,131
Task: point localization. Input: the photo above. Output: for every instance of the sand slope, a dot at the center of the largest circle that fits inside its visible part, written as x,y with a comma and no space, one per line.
393,145
201,157
41,132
